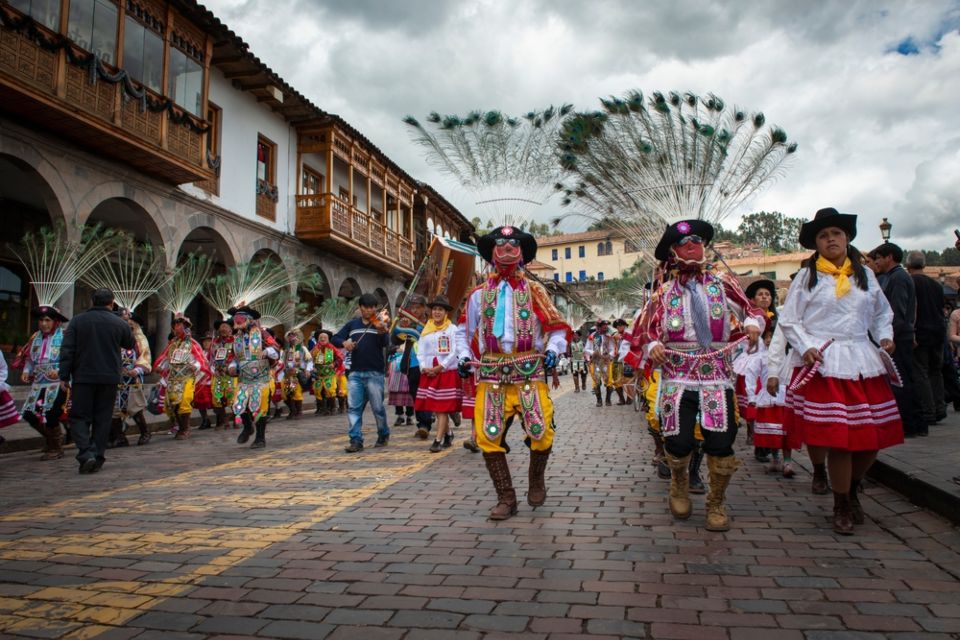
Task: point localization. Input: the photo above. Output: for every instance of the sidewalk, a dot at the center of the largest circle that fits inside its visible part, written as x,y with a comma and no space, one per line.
922,469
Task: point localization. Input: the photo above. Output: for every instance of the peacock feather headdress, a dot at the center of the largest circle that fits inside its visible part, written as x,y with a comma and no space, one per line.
249,282
185,283
132,270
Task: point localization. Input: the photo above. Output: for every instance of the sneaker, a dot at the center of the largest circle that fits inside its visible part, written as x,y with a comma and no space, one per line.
382,441
788,471
447,441
355,445
435,447
471,446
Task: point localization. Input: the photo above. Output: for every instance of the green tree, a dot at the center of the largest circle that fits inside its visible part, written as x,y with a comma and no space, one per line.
771,230
950,257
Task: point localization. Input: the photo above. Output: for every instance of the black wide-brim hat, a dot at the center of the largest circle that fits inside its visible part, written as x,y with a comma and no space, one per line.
528,244
677,231
49,311
763,283
180,318
226,321
440,301
244,309
822,219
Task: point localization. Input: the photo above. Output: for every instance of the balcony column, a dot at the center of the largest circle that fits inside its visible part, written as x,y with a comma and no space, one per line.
350,184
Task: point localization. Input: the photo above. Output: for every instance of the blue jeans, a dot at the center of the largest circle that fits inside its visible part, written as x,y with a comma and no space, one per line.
361,387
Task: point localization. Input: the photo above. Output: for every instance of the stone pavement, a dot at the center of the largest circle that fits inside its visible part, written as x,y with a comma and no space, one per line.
208,539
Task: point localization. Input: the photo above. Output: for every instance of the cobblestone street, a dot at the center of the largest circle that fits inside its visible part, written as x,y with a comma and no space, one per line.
206,538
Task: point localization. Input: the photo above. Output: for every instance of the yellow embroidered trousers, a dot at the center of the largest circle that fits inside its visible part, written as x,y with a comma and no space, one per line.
512,408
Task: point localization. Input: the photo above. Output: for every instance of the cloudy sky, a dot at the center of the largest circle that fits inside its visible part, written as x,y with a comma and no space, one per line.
869,89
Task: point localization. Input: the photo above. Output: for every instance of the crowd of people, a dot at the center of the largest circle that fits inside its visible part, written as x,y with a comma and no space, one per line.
855,357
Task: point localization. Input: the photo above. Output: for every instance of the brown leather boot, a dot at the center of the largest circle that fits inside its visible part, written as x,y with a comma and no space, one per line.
183,421
721,470
341,404
145,434
506,496
298,409
820,485
856,509
537,491
679,501
609,395
53,437
291,408
221,414
842,520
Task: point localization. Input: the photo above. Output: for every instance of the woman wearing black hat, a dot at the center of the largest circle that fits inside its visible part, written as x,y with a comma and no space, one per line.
131,400
846,407
180,364
41,363
440,391
223,386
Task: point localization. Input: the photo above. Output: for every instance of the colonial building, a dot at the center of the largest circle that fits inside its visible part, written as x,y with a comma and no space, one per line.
590,255
153,116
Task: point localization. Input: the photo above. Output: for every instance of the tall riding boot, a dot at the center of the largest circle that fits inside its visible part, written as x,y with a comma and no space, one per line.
34,422
321,406
696,483
842,518
680,505
331,406
54,442
721,470
183,421
221,414
622,400
292,408
506,496
576,383
298,406
856,509
596,392
141,423
659,456
609,393
260,441
537,491
247,420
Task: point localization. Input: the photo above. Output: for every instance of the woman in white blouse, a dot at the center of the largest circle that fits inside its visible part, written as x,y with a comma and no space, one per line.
847,407
440,391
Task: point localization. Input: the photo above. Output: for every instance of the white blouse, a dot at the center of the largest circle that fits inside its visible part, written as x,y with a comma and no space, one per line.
810,318
441,345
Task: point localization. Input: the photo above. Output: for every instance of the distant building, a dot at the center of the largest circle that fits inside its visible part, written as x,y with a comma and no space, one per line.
590,255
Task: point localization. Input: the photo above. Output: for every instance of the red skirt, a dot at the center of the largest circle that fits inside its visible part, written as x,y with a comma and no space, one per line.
203,397
852,415
8,410
768,431
469,385
747,411
439,394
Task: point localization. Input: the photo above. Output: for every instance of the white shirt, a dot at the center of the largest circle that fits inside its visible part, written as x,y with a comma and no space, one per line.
442,345
810,318
555,341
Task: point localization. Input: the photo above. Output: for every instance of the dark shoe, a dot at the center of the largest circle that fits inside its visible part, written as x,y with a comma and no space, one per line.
842,520
856,509
99,464
88,466
145,434
409,421
537,491
435,447
923,433
422,433
941,416
820,485
471,446
204,425
260,440
382,441
183,433
448,441
355,445
399,421
760,455
456,418
244,436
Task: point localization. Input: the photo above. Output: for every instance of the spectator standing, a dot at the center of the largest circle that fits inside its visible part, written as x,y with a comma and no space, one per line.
928,354
365,339
899,289
90,362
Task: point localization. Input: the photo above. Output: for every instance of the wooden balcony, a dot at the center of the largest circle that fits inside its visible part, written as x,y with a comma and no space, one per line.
326,221
44,88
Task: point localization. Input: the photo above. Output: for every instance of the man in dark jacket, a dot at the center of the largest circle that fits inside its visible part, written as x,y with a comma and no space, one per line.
365,338
931,334
90,362
899,289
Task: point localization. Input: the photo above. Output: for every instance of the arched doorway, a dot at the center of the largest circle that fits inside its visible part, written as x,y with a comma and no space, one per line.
383,299
313,299
349,289
27,203
208,242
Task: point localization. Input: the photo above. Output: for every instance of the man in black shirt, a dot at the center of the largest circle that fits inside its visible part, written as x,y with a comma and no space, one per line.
90,362
931,334
365,339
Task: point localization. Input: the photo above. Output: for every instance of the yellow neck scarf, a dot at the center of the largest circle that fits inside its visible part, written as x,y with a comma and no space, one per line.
432,327
842,274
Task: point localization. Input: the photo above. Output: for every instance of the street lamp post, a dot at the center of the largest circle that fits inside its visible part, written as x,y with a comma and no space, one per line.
885,228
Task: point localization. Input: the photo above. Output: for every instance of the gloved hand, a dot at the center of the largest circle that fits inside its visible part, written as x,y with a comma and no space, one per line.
550,360
463,368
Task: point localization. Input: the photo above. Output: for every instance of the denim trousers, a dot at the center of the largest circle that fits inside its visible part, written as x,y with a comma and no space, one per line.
364,386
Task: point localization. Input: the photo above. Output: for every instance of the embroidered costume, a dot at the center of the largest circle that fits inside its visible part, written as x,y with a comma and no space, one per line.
8,409
327,367
297,370
181,365
438,347
600,352
45,401
223,386
512,327
131,400
255,354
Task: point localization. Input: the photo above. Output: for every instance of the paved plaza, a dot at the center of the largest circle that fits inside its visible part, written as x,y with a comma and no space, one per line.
208,539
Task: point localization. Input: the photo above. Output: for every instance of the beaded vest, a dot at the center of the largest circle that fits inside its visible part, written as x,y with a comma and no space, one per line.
44,366
180,360
252,364
523,317
323,360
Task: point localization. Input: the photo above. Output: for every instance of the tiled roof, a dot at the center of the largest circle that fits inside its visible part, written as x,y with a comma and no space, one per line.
536,265
567,238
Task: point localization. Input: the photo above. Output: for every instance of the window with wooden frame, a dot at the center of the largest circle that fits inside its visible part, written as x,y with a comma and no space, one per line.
267,192
143,50
92,25
46,12
215,118
311,182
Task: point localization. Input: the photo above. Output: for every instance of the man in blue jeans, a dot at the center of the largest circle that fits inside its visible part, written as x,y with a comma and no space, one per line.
366,339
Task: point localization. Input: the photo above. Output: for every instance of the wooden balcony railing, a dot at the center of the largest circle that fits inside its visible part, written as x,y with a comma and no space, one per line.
329,221
54,87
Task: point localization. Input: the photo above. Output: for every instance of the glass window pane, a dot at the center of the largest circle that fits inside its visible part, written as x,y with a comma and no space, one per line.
80,25
105,18
21,5
47,13
193,87
133,48
152,61
177,58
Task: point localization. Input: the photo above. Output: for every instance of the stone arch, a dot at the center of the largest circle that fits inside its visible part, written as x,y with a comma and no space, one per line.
25,160
128,215
206,240
210,228
116,190
383,299
349,289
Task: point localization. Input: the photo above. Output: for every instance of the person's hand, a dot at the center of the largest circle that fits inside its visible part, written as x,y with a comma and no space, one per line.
25,377
753,335
463,368
657,355
556,379
773,386
550,360
348,344
812,355
887,345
